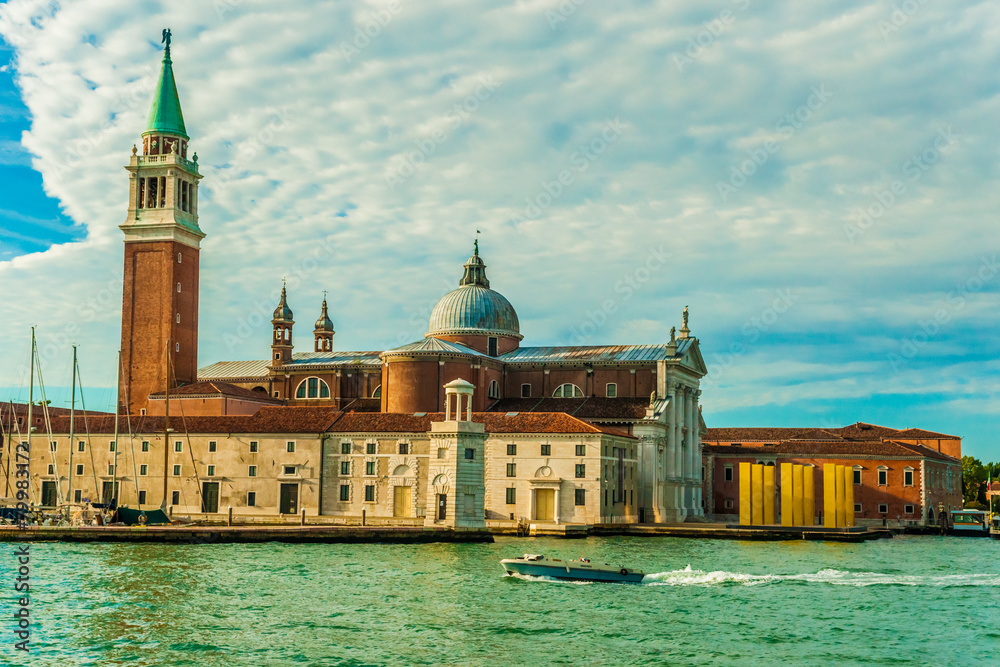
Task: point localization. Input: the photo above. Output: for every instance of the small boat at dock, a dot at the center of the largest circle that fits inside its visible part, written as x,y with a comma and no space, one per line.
537,565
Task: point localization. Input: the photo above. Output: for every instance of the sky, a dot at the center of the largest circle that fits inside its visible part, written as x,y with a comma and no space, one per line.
816,181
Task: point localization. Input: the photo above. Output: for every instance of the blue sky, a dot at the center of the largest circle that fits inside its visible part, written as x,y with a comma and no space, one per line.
817,181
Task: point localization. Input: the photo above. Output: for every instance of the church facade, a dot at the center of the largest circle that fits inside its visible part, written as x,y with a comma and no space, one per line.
641,400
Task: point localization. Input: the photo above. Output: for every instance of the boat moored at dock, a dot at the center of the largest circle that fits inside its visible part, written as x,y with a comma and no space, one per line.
537,565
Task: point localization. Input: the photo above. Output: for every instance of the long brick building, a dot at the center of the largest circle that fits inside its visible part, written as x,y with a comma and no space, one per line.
906,477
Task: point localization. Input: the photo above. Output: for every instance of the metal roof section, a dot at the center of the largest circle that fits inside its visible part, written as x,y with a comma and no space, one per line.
433,345
260,368
474,309
595,353
367,358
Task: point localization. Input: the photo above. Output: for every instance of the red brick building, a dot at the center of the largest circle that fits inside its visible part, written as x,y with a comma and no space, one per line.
896,479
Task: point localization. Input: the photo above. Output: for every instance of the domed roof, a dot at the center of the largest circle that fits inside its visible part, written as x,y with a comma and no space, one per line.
283,313
474,308
324,323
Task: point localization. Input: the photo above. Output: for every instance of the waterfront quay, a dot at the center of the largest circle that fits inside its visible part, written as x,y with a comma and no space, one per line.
202,534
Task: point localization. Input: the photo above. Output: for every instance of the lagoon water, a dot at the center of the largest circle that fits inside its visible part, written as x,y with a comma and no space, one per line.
910,600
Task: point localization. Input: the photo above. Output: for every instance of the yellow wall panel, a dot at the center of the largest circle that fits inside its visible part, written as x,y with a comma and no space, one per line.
841,513
757,493
797,494
786,495
769,516
829,495
745,503
808,495
849,495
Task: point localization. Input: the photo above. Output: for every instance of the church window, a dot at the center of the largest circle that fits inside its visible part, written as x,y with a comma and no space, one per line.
494,389
612,390
179,258
525,391
141,199
492,346
567,391
313,388
378,392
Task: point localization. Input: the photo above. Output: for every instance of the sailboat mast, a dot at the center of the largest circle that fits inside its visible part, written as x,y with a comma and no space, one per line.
118,409
166,430
72,416
31,394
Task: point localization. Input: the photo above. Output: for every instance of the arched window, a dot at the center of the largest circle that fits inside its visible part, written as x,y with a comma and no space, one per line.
313,388
567,391
378,392
494,389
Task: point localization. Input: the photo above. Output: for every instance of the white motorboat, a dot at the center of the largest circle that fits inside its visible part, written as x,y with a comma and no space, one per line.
537,565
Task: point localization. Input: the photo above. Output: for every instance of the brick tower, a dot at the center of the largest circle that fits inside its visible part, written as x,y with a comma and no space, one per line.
162,246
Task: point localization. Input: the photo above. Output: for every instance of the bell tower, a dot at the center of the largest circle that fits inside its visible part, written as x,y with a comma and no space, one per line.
162,247
281,339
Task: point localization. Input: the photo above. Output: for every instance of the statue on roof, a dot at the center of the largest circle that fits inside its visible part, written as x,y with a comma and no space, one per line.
673,334
166,37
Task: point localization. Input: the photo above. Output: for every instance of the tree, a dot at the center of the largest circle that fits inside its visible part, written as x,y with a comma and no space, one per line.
973,480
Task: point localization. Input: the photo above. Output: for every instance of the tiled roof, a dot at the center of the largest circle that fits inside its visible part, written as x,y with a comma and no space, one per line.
595,353
599,408
863,431
275,419
363,405
216,388
830,449
753,434
921,434
269,419
259,368
434,345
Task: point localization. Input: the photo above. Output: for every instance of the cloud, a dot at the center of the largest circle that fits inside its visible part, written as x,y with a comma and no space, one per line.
296,136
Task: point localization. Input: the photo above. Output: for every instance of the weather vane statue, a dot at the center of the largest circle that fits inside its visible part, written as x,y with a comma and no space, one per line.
476,243
166,40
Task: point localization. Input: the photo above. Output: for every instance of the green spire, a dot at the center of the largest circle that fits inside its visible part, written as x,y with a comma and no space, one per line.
165,115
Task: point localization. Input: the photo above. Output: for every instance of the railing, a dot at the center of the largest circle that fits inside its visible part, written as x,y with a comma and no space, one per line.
170,158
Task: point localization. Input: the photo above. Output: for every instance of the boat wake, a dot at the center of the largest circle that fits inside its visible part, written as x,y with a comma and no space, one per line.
691,577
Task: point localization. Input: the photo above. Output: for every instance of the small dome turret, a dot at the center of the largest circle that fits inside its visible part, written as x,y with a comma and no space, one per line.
283,313
324,323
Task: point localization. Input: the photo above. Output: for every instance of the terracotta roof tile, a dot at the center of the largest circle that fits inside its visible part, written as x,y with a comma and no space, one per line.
921,434
831,449
595,407
213,388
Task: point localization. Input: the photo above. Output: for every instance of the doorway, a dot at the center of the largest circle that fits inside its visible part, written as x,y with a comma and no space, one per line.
402,501
49,494
210,497
442,506
545,504
289,499
109,491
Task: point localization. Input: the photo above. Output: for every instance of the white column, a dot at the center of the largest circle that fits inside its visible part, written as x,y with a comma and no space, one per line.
531,504
679,439
557,505
691,435
671,441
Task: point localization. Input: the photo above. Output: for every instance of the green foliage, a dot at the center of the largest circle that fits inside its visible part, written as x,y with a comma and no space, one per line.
973,481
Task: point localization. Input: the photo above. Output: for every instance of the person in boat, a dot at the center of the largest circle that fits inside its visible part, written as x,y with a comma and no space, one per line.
142,519
584,559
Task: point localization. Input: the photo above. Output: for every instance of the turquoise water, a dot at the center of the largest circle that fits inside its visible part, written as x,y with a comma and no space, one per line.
910,600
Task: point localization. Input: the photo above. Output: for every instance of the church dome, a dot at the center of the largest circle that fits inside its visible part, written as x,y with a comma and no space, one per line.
474,308
283,313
